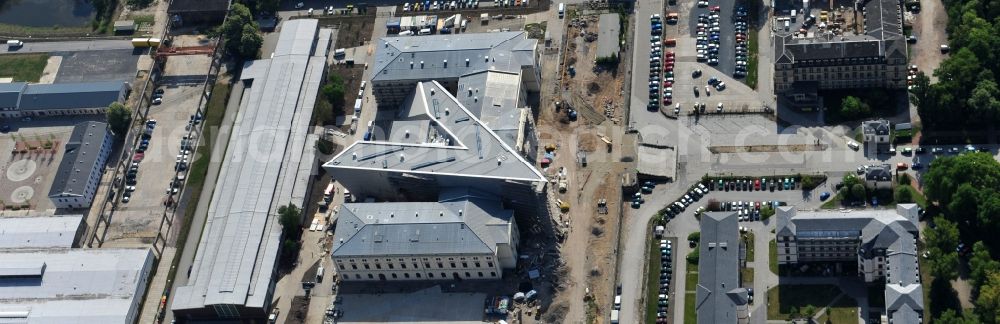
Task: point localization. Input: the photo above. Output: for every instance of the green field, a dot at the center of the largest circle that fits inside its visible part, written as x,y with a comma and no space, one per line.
752,62
749,239
772,256
23,67
788,301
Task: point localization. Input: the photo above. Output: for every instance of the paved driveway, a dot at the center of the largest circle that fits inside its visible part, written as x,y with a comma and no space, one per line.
70,46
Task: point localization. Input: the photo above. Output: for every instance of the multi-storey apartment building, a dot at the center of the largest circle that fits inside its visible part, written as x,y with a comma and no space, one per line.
875,58
466,235
881,242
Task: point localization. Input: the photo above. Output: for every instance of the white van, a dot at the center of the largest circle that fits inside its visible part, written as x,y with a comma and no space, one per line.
406,33
13,43
425,31
562,9
786,25
462,25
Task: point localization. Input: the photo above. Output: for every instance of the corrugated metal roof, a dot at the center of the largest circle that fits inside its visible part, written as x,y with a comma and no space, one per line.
719,296
10,93
240,241
39,232
77,285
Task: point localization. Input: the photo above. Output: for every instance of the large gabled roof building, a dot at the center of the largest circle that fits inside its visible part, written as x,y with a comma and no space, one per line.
719,298
82,166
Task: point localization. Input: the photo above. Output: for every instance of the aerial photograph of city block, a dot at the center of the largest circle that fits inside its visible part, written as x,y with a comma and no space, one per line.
496,161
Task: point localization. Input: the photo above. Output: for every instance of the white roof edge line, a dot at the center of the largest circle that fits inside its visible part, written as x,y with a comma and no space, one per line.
435,173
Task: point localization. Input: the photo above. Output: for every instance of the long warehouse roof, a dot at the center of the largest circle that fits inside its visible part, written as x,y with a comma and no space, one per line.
239,245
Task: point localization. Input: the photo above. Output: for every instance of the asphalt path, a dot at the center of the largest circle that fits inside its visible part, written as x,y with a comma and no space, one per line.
69,46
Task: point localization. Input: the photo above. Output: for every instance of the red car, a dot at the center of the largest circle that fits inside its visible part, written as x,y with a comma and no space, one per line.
667,101
714,8
756,184
667,84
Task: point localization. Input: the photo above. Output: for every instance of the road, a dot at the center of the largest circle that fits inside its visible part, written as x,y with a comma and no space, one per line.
68,46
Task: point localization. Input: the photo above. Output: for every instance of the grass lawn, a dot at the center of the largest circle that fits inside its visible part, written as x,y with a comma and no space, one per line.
23,67
652,279
747,274
752,62
690,316
748,238
832,202
772,256
840,314
691,278
918,198
782,300
927,278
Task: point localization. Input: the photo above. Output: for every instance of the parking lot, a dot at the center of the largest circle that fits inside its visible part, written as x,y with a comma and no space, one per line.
91,66
715,23
137,221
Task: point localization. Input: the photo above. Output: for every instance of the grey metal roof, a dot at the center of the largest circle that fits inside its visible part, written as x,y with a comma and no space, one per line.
434,133
878,127
828,49
607,35
39,232
10,93
507,51
236,255
71,95
892,230
883,173
75,285
719,297
466,225
82,151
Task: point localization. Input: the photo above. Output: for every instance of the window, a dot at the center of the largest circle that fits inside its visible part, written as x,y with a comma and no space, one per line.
440,265
416,266
788,258
357,276
341,266
354,266
443,275
401,265
417,274
465,264
467,275
393,276
390,266
478,265
406,275
367,267
370,276
378,266
490,264
453,264
345,277
426,265
493,274
430,275
480,274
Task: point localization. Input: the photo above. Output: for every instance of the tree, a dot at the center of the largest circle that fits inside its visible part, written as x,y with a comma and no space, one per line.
324,146
694,236
692,257
858,192
988,302
946,174
290,218
964,203
941,242
903,195
852,107
239,32
250,42
949,316
981,264
983,102
119,118
334,90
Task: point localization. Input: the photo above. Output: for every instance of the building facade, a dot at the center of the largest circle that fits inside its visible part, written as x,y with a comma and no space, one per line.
881,243
875,58
466,236
82,166
876,132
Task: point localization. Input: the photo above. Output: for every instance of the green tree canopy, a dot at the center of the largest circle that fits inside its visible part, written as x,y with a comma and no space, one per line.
981,264
852,107
119,118
858,192
290,217
988,302
941,242
949,316
239,32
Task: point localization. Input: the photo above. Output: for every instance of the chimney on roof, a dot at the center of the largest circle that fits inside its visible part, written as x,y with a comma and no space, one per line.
421,64
411,65
446,64
459,212
407,133
475,99
466,62
487,58
441,214
401,157
447,111
354,155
